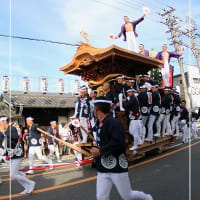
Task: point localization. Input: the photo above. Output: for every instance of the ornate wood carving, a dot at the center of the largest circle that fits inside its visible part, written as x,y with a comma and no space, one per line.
94,64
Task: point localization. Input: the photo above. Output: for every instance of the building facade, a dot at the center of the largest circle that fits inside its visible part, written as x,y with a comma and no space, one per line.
43,107
193,84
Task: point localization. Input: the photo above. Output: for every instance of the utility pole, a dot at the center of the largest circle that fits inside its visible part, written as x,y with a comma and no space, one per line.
172,22
191,33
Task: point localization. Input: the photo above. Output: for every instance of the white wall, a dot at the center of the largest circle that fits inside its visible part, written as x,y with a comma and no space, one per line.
194,85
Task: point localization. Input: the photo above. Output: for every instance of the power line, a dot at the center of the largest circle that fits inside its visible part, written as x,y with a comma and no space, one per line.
120,8
156,4
38,40
139,4
110,5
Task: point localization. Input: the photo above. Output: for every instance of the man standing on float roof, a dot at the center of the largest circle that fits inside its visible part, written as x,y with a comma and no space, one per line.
128,30
109,155
165,56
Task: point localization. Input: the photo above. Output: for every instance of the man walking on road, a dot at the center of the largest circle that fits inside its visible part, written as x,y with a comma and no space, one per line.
110,159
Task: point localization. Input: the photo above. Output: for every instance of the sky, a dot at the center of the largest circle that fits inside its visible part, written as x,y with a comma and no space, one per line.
62,21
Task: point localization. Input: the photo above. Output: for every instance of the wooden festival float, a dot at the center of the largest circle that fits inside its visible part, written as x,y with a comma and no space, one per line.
96,66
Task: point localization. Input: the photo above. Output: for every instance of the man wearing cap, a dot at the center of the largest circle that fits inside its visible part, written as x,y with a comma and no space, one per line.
52,143
132,84
175,112
131,104
82,112
143,51
109,155
154,111
145,101
128,30
11,152
35,142
165,56
120,89
166,103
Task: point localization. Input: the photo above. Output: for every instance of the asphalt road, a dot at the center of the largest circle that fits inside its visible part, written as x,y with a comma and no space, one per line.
165,176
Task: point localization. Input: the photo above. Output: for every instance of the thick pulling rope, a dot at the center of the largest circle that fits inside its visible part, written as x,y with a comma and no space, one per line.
82,162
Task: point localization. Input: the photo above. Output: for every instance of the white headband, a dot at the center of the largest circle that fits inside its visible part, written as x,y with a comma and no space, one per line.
103,101
3,119
120,77
131,90
29,118
143,87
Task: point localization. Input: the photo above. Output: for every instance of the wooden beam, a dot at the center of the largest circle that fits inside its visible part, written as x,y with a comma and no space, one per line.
74,147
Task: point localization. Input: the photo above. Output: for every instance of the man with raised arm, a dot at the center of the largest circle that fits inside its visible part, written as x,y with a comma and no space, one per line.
165,56
128,30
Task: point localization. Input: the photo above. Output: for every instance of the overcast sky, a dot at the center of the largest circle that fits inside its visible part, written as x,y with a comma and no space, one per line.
62,21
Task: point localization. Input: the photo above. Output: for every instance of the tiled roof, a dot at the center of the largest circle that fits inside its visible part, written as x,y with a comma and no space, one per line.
40,100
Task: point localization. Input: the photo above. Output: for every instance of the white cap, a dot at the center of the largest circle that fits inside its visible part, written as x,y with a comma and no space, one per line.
52,122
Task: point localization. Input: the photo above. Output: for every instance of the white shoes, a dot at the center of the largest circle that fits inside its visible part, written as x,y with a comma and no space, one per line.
30,172
31,187
140,141
167,134
25,191
134,147
59,161
157,135
148,140
176,135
